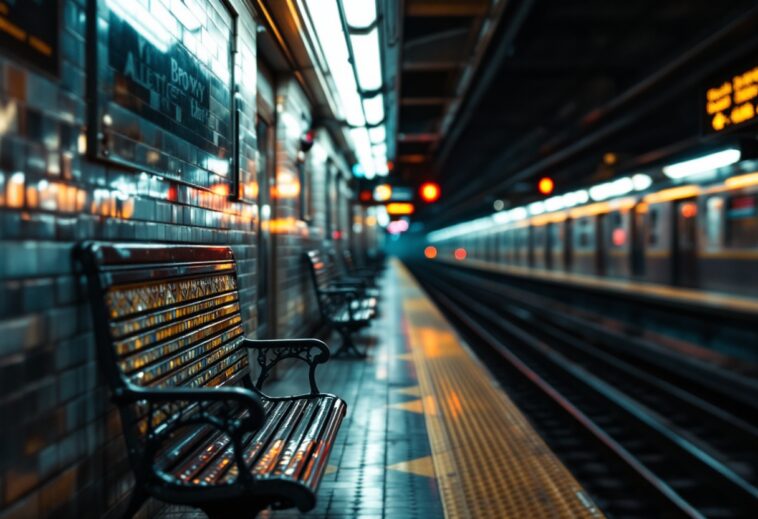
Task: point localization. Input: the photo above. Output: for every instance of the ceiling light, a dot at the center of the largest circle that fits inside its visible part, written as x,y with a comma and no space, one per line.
703,164
368,61
378,134
360,13
374,108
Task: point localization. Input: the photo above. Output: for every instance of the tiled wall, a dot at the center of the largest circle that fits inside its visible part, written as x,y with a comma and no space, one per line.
61,452
296,308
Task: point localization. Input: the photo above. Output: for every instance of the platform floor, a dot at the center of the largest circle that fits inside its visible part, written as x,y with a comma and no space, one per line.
428,433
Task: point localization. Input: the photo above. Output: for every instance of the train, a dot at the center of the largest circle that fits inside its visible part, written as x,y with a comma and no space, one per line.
697,235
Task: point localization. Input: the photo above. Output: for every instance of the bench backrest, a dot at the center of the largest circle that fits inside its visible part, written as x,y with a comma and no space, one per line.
322,268
165,315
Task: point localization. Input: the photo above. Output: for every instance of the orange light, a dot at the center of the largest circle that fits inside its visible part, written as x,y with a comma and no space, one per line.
382,192
400,208
430,252
287,186
460,254
689,210
430,192
610,159
546,185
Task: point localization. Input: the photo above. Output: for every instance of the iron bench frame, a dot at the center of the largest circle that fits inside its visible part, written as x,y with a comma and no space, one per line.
336,298
212,405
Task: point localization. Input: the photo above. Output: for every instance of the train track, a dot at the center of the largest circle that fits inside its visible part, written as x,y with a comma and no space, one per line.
646,438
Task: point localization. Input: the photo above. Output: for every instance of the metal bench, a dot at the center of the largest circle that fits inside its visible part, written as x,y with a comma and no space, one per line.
171,345
347,270
343,304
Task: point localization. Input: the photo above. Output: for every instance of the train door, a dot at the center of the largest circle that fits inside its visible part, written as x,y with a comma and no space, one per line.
549,240
568,244
601,244
685,243
265,179
638,240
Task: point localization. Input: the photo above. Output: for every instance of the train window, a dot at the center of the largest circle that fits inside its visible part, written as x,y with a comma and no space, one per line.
742,221
714,221
583,232
653,230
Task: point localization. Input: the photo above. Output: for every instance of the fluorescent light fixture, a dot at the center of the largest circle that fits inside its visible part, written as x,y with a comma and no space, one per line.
142,20
374,108
360,13
377,134
380,166
380,150
641,181
367,59
703,164
326,21
518,213
554,203
575,198
607,190
536,208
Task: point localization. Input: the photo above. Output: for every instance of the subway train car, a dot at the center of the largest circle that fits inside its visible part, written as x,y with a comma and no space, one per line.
129,121
695,235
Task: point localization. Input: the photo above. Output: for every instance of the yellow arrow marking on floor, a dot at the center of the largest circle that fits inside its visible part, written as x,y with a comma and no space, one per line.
420,467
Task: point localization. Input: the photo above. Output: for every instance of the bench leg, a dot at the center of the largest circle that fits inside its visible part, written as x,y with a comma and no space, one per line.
347,349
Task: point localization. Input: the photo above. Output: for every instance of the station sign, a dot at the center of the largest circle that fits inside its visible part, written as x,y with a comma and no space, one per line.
164,89
29,31
732,101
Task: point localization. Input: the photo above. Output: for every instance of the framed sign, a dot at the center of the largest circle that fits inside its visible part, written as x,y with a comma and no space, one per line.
161,77
29,31
731,100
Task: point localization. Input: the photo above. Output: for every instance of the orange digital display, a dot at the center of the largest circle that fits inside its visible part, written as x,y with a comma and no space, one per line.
733,102
400,208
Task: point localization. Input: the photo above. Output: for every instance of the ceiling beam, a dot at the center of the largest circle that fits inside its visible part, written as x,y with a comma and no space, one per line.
446,8
431,65
424,101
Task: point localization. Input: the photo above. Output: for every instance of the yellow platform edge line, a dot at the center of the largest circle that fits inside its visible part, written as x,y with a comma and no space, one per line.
488,459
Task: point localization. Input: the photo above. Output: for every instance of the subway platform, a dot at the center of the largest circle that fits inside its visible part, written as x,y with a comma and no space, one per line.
428,432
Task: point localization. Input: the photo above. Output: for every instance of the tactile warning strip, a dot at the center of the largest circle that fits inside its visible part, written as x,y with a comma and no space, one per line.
488,460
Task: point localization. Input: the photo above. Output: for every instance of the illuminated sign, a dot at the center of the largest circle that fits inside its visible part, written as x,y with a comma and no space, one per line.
164,78
733,102
400,208
29,30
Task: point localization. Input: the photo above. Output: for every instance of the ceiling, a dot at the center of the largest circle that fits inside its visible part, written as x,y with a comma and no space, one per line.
494,94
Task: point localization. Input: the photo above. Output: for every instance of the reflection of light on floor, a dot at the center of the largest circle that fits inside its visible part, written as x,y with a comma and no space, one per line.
381,372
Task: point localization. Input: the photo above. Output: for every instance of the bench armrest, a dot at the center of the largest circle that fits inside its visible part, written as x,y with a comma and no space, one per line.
236,411
270,352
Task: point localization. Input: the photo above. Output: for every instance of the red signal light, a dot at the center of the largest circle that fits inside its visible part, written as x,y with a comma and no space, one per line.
460,254
430,192
365,196
546,185
430,252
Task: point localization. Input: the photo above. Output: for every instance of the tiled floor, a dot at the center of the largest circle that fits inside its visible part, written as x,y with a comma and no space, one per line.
380,466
